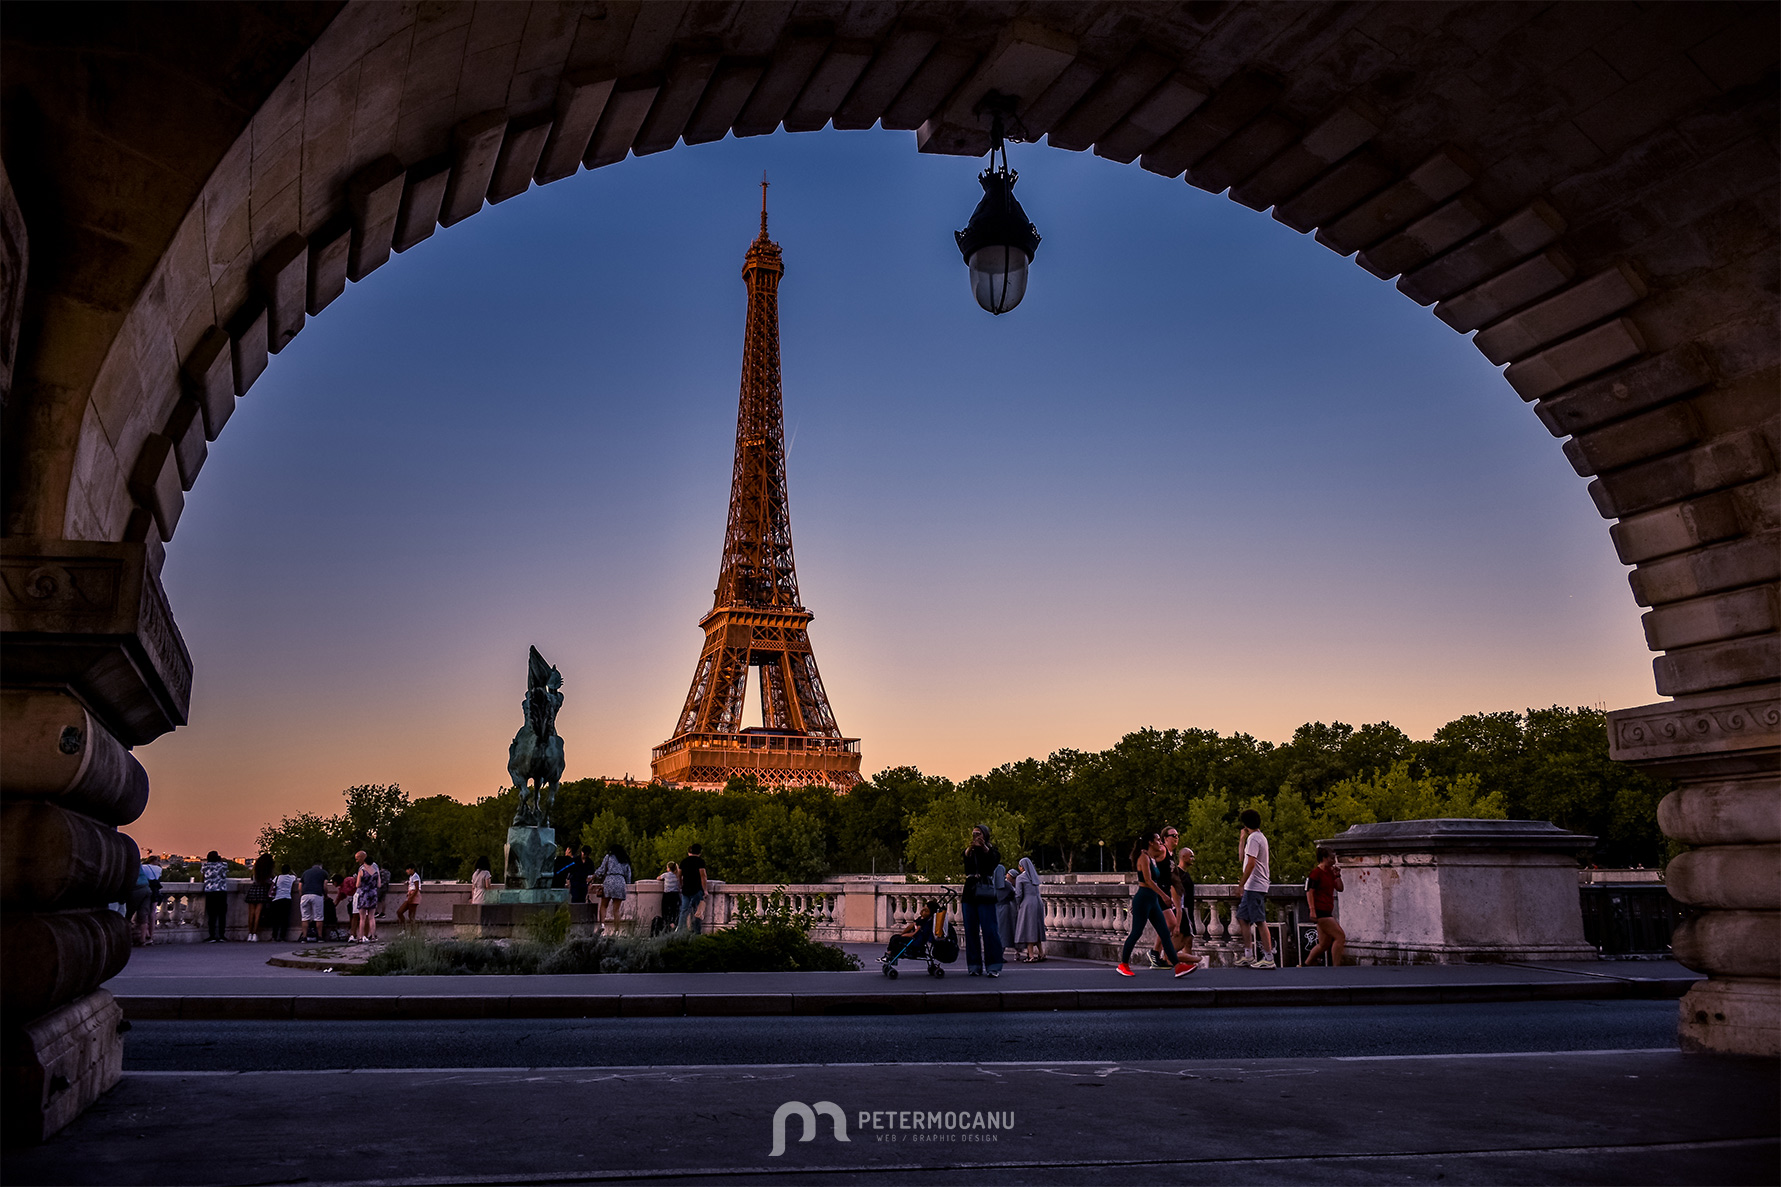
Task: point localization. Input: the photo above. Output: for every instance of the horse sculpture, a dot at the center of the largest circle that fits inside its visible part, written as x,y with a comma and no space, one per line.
535,760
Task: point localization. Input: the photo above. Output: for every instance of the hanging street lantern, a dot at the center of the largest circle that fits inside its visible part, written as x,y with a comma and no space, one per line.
999,242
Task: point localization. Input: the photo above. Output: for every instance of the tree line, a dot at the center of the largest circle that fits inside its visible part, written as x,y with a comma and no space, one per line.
1073,811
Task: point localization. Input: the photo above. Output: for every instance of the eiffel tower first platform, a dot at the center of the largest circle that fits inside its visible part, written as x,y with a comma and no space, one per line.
756,620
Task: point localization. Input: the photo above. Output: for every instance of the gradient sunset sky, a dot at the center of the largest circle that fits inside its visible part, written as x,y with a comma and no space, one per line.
1208,475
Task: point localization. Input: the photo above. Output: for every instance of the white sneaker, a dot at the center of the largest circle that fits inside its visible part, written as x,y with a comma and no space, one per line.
1243,961
253,939
1266,962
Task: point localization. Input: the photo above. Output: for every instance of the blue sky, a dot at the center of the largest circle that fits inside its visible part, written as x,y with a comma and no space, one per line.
1208,474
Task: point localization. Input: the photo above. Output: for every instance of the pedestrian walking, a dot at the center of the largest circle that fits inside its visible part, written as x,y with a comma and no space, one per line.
215,872
259,893
695,881
1322,885
1147,904
480,880
1252,908
279,912
614,873
312,887
408,913
983,877
671,895
1171,907
1029,913
151,876
365,895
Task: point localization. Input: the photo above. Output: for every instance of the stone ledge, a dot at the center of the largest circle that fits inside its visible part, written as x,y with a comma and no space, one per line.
157,1008
92,618
1723,733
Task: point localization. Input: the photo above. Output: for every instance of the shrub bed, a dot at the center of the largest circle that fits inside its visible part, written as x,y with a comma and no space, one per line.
748,948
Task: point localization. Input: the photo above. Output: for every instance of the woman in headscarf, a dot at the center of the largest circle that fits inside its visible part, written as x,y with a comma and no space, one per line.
1005,908
983,875
1029,913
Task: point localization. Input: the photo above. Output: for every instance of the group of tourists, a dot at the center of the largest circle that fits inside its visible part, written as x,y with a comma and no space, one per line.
609,880
1165,894
685,884
1000,902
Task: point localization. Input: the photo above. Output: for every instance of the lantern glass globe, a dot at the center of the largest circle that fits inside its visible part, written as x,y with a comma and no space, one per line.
998,277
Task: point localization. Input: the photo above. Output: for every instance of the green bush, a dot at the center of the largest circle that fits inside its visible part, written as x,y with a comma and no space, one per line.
754,948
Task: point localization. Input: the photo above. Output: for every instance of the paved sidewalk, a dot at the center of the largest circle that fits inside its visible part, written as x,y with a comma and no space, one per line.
1580,1117
211,981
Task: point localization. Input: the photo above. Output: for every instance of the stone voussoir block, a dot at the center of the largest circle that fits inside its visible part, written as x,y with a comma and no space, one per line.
207,375
581,98
1749,611
1728,664
1576,359
281,277
1507,291
330,259
1625,392
1728,461
1747,561
1676,528
374,199
476,145
423,195
1728,812
248,345
154,483
1426,238
1636,439
1337,135
1530,229
1584,303
185,428
1431,183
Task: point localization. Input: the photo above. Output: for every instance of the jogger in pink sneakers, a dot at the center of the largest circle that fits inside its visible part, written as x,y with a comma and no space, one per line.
1148,903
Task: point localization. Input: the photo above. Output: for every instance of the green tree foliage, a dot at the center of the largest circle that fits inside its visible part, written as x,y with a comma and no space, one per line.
1549,764
939,834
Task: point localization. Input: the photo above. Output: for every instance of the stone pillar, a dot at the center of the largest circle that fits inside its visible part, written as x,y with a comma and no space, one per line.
1459,891
90,665
1722,749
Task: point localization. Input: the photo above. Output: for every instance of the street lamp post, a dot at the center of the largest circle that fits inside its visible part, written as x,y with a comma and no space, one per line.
1103,846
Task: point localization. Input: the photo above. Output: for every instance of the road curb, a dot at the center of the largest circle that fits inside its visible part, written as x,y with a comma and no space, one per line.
410,1007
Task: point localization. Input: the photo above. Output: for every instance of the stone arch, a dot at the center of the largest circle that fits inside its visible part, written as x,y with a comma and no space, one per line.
1590,189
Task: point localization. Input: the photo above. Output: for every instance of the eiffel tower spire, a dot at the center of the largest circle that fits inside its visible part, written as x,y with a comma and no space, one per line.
756,619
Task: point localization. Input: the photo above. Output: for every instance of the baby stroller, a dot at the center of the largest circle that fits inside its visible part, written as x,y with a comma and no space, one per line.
936,947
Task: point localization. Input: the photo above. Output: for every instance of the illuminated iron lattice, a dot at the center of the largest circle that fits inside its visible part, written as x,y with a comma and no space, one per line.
756,620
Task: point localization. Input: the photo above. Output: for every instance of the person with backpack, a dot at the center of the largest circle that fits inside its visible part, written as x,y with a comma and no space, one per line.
984,876
151,872
366,892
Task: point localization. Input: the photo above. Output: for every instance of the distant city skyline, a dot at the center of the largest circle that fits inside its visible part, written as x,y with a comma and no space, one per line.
1208,475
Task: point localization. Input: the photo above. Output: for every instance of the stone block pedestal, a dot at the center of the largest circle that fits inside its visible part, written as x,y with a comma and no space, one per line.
1461,891
53,1068
506,920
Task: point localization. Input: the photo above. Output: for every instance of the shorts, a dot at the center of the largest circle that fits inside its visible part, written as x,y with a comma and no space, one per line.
311,908
1330,914
1253,908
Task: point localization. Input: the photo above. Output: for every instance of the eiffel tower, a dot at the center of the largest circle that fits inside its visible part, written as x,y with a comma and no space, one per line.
756,619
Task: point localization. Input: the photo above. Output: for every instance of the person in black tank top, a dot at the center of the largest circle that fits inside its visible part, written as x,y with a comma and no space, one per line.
1148,903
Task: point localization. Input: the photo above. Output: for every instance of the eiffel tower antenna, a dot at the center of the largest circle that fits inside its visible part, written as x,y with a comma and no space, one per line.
756,618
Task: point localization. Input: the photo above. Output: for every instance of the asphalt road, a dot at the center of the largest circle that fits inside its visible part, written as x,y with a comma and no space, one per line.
1124,1035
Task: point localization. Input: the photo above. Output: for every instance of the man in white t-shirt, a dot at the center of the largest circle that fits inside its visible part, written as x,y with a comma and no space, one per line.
1252,910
